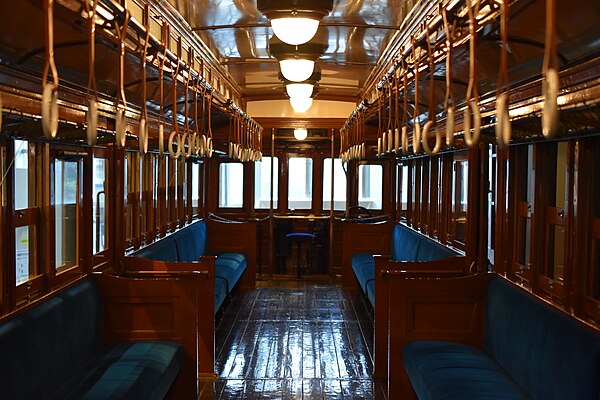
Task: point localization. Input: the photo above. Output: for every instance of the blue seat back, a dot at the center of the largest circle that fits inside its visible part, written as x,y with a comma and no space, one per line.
405,244
191,241
430,250
162,250
43,346
551,355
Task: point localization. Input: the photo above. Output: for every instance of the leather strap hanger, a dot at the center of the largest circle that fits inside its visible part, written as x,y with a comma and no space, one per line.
49,88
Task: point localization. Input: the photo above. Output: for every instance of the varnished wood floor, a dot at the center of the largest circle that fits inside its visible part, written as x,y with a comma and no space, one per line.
294,340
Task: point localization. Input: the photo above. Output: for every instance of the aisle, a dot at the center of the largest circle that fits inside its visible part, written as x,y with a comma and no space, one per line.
294,341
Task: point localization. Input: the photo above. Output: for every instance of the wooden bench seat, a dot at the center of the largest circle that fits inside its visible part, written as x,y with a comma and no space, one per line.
56,350
189,245
407,246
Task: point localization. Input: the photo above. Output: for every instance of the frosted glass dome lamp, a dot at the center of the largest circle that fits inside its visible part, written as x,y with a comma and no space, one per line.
295,30
299,90
295,22
297,70
300,134
301,104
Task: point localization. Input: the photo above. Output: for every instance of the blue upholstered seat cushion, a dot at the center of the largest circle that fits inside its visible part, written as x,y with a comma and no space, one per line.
363,265
220,292
191,241
549,354
430,250
370,290
405,244
162,250
43,346
448,371
230,266
140,370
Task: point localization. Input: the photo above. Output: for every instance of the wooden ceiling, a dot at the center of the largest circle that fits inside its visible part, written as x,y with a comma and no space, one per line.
356,33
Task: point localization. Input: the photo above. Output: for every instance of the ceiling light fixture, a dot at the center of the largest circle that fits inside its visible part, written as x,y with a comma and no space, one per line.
297,63
295,21
297,70
299,90
301,104
300,134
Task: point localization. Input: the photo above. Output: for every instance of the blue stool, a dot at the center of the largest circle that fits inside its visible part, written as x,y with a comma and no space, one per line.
300,238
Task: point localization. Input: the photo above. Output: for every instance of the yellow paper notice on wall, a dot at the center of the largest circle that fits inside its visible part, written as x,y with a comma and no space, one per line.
25,241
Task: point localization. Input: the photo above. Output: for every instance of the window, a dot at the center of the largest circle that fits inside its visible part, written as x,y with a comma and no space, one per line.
491,203
99,189
67,189
24,232
404,181
370,183
22,246
460,183
195,187
524,179
21,165
262,183
339,185
231,185
556,211
300,183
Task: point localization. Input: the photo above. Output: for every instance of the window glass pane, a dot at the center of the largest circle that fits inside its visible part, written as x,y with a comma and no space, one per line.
595,267
175,180
100,228
231,185
404,190
370,182
195,186
556,237
491,208
141,220
459,200
300,183
66,188
21,166
22,246
339,185
262,183
185,180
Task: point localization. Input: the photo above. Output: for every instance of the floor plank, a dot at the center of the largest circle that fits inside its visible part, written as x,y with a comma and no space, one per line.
294,340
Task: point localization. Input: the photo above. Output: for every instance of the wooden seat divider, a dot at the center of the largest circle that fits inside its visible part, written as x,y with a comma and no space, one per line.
362,238
386,271
163,305
425,305
221,254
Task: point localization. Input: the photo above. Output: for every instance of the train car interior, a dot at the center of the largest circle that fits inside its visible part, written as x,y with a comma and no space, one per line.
300,199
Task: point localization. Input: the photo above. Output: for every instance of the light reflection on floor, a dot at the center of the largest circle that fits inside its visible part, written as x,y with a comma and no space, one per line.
294,341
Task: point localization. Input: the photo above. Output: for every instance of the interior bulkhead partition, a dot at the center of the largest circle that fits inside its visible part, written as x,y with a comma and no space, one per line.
472,124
